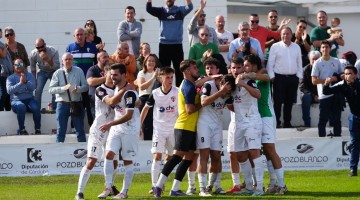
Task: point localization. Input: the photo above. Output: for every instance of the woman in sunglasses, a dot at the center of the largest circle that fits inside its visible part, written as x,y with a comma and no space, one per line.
91,24
16,49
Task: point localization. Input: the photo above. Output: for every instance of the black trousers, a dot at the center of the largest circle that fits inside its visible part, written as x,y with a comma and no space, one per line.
172,53
284,92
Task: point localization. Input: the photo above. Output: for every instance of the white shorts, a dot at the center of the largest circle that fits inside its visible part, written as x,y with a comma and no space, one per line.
246,138
209,135
230,137
162,142
268,130
96,144
128,143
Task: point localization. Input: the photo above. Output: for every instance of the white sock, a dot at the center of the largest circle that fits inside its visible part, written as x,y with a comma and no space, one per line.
259,173
272,173
108,172
202,180
176,185
155,171
280,177
212,178
218,179
191,178
253,176
83,179
235,178
161,181
114,175
247,173
128,176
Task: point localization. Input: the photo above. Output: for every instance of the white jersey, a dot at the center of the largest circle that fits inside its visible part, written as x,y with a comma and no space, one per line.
103,112
214,111
165,110
127,102
245,105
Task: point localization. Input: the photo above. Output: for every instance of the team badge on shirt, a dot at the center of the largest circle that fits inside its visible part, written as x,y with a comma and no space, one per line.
173,98
204,90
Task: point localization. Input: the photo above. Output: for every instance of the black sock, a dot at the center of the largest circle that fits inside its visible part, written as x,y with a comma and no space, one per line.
170,165
181,170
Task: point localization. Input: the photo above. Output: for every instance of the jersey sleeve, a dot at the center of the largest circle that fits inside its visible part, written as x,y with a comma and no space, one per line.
151,101
252,83
130,99
101,93
205,90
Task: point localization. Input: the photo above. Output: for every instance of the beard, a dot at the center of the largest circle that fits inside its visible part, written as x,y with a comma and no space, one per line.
170,3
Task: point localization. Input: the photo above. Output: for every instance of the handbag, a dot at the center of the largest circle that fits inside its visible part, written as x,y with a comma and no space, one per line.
75,107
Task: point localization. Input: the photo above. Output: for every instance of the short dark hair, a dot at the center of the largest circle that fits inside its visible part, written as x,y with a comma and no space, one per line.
302,21
130,8
351,67
230,79
321,11
120,67
212,61
325,42
254,59
166,70
186,64
238,61
254,15
275,11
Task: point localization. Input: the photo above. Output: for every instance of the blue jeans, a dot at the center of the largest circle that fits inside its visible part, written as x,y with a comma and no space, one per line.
330,110
20,107
354,128
42,77
62,117
306,100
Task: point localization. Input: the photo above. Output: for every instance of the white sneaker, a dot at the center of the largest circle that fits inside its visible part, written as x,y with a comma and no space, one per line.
191,191
105,193
204,193
120,196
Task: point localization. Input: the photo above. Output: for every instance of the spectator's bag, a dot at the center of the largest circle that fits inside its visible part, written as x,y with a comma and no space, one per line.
75,107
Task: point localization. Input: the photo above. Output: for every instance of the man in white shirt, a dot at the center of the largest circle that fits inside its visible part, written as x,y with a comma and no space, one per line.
224,37
285,69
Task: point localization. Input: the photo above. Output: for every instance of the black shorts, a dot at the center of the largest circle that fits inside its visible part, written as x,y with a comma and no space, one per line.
185,140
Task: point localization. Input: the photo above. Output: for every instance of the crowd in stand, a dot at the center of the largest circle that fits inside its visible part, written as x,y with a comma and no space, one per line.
262,65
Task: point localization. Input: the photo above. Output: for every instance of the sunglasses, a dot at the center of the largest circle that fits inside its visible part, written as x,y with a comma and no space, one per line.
19,64
254,21
90,24
302,27
204,34
202,15
273,17
9,34
40,47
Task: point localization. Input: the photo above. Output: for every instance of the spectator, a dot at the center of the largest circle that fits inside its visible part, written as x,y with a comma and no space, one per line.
348,58
122,56
130,30
84,56
146,79
20,86
309,94
5,71
244,44
90,36
144,51
330,105
350,88
70,79
273,26
319,33
357,66
197,21
301,38
91,24
224,37
261,33
171,19
202,50
16,49
95,77
285,70
46,59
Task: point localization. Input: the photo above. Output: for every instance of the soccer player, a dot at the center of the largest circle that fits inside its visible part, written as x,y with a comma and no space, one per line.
268,126
97,139
165,112
124,133
247,136
214,95
236,68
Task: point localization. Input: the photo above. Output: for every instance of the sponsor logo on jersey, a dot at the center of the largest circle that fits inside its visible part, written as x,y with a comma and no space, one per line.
118,108
237,99
167,109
